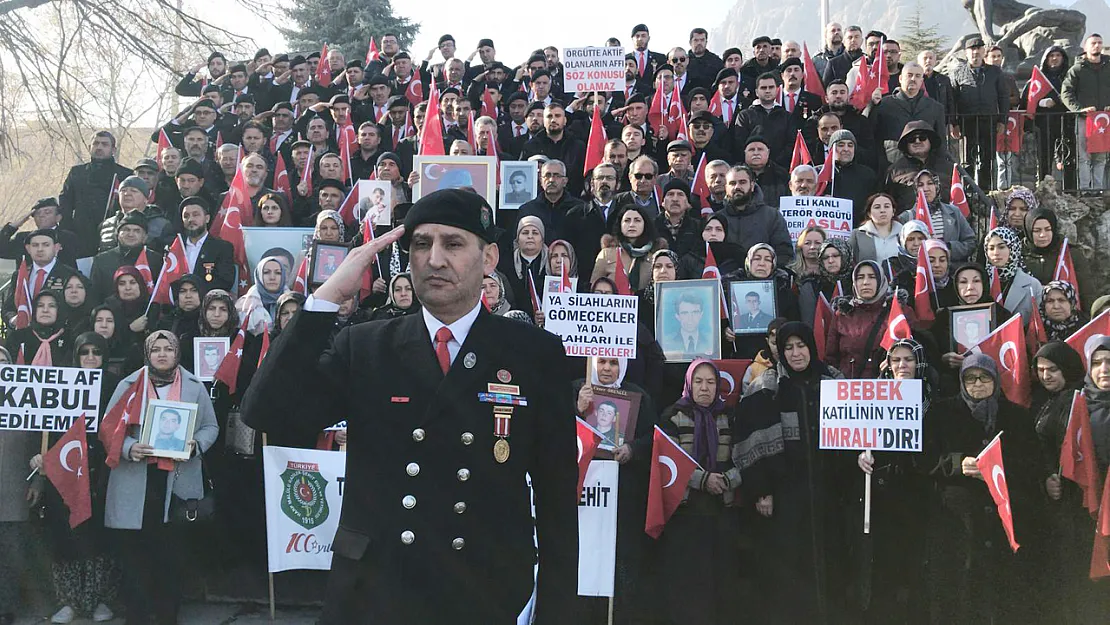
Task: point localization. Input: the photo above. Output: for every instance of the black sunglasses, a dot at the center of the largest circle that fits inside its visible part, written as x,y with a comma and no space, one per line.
643,176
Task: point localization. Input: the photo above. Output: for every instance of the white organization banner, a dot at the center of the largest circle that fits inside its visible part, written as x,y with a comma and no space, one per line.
593,69
831,213
304,496
592,324
597,530
48,399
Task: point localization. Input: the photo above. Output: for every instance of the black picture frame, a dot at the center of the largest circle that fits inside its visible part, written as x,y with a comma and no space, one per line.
324,261
738,293
961,317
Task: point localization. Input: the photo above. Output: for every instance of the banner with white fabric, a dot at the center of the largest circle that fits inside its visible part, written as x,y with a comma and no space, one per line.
304,496
597,530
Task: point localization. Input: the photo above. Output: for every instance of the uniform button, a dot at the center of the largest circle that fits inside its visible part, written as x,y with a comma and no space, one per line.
407,537
458,544
409,502
412,469
460,507
463,475
418,434
467,438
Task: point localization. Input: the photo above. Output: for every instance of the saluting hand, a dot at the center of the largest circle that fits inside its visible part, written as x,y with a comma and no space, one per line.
345,282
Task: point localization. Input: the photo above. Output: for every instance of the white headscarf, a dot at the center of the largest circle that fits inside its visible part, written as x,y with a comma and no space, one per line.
623,364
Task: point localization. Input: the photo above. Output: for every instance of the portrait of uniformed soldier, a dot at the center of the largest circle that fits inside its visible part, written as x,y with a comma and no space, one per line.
447,411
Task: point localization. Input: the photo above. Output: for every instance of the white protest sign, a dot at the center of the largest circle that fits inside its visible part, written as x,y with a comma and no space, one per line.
48,399
593,69
592,324
831,213
597,530
879,415
304,496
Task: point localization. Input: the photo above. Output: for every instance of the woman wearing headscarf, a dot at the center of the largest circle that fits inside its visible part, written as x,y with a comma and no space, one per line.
526,267
633,237
1043,240
902,268
970,285
401,300
123,353
83,573
1019,202
145,492
77,304
561,252
45,340
714,233
699,546
493,292
664,268
936,253
1003,253
760,264
1060,310
218,318
974,572
182,317
633,453
1096,389
948,223
834,270
130,300
797,490
900,497
1065,549
852,342
259,304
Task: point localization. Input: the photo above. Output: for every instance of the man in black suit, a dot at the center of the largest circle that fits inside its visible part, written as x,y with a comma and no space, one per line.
584,225
45,270
752,318
87,190
47,216
435,528
210,258
646,60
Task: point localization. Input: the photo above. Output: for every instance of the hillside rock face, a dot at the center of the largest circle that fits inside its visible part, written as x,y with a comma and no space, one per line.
1086,224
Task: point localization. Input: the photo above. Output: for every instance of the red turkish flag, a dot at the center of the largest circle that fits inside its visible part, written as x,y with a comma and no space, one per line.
827,175
812,82
676,116
595,148
897,325
127,411
956,191
349,205
1065,269
281,178
588,439
565,285
822,317
1035,334
1078,461
489,107
1009,140
1099,566
801,153
671,468
711,271
163,143
924,290
921,211
861,93
228,372
71,480
537,306
1010,338
732,379
1098,325
233,234
300,283
174,268
323,69
414,91
347,143
237,197
880,74
471,138
265,348
23,296
657,114
431,140
620,276
715,105
996,285
143,265
1039,87
372,53
701,187
990,466
1098,139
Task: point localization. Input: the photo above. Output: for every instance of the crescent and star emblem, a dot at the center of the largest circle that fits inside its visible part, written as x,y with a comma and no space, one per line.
580,450
996,473
1007,347
669,463
64,456
894,324
925,282
725,375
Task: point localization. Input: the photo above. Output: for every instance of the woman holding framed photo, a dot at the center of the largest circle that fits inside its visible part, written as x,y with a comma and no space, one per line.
973,304
852,343
145,492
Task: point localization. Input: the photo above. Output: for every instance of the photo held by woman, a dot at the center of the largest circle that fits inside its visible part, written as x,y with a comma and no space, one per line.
306,336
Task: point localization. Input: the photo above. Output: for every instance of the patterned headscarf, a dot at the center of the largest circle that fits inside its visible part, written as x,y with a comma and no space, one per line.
1022,193
1016,262
334,216
229,326
846,259
1060,330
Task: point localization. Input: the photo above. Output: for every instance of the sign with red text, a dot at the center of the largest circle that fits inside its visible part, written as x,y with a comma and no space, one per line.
304,496
803,211
876,415
593,69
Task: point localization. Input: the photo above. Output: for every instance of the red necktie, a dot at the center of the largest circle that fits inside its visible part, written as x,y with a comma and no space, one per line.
641,62
728,116
517,130
396,136
39,280
790,109
443,337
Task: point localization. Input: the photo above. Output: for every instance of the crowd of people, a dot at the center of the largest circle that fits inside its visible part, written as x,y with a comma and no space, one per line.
769,527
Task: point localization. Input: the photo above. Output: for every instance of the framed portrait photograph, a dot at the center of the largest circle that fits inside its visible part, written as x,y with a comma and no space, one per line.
288,245
752,306
553,284
613,413
167,427
970,325
379,193
208,353
518,184
456,172
688,319
326,258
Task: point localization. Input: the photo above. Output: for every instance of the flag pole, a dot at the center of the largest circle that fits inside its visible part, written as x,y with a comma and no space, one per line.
867,497
610,621
273,610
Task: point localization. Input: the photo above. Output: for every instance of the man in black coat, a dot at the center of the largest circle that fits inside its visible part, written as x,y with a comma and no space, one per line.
435,528
87,189
47,216
131,239
768,120
210,258
853,181
646,60
982,99
555,143
584,225
553,205
908,104
45,270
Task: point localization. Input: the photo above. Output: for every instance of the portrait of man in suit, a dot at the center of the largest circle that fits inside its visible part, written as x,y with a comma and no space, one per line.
687,331
752,311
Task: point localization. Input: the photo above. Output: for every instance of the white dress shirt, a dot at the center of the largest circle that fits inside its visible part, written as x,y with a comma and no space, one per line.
192,250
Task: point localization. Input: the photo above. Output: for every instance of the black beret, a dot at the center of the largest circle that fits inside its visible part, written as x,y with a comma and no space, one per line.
731,51
756,139
516,95
380,79
396,101
450,90
331,182
639,28
281,58
762,39
238,67
297,60
485,42
793,61
339,98
190,165
499,65
776,41
444,39
309,90
354,63
205,103
457,208
312,55
195,200
665,67
400,56
535,106
282,105
43,232
44,202
133,218
261,53
727,72
244,98
635,98
210,88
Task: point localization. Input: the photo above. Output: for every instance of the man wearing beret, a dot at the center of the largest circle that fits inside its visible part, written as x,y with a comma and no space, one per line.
646,60
47,216
799,104
447,410
45,270
287,86
133,193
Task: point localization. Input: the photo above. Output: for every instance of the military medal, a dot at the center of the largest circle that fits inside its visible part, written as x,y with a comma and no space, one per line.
502,416
470,360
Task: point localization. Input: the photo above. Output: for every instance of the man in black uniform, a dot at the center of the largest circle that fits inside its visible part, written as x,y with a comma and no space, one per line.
436,524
